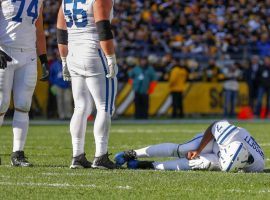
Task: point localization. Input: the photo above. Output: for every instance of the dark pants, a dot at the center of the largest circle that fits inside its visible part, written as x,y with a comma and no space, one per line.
141,105
252,87
177,104
230,102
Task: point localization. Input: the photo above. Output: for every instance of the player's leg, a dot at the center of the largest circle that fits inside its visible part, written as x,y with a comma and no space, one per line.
179,164
173,150
103,91
6,83
164,150
159,150
25,78
203,162
193,144
83,105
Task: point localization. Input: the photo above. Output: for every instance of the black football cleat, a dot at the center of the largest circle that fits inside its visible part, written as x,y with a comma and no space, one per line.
19,160
136,164
80,162
103,162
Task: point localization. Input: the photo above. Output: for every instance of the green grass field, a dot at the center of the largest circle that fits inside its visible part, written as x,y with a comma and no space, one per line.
49,149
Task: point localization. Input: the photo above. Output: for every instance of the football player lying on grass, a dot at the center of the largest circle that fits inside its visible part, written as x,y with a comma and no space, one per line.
222,147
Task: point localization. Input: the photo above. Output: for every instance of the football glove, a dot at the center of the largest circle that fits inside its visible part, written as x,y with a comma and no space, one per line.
65,72
199,163
45,72
113,68
44,67
4,58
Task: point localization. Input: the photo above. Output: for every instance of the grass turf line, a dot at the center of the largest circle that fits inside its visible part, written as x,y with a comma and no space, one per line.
49,148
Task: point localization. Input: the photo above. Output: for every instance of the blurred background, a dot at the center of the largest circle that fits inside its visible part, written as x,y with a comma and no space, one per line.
178,59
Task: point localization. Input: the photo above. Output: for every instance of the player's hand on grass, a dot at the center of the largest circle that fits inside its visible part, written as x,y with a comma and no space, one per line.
113,68
192,155
4,58
66,74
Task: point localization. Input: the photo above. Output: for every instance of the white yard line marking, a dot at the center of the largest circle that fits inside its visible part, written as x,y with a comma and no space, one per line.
60,185
74,174
124,187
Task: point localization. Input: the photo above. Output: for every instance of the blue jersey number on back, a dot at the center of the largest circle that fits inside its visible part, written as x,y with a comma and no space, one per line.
77,16
30,12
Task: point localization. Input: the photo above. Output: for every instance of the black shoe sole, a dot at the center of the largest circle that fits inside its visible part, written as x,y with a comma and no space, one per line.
78,167
102,167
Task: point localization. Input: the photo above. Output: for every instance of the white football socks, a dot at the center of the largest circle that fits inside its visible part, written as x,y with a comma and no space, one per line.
78,126
159,150
20,129
2,119
101,132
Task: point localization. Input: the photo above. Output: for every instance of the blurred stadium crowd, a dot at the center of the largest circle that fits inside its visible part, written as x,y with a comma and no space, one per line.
192,30
207,37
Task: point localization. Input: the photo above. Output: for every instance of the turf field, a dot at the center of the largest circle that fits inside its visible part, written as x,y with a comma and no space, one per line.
49,148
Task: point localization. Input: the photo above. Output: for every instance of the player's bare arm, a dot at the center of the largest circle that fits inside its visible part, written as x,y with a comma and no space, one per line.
207,137
102,10
41,46
62,41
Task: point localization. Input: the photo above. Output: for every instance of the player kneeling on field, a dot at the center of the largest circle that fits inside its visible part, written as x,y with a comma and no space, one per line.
222,147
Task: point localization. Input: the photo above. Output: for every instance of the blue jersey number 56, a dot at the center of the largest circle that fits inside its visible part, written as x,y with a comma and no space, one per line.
74,15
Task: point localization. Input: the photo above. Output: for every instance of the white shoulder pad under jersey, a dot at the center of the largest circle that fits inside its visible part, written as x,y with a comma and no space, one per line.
17,23
80,22
223,131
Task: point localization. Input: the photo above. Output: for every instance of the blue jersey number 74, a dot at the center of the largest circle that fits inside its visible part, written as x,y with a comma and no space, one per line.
32,10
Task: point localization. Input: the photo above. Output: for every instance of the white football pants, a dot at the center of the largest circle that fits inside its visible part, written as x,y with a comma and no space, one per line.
176,150
90,91
20,76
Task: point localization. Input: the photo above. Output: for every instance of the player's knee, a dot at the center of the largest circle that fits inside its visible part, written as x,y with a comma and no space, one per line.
22,106
4,105
83,109
22,109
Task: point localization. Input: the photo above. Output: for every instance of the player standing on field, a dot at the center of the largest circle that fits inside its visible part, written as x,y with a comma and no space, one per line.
87,51
21,39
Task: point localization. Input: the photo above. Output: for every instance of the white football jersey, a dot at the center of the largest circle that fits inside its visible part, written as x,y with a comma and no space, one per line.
17,23
81,24
225,133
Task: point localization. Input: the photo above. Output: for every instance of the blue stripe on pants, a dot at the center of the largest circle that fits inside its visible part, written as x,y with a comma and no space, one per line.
112,97
107,81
